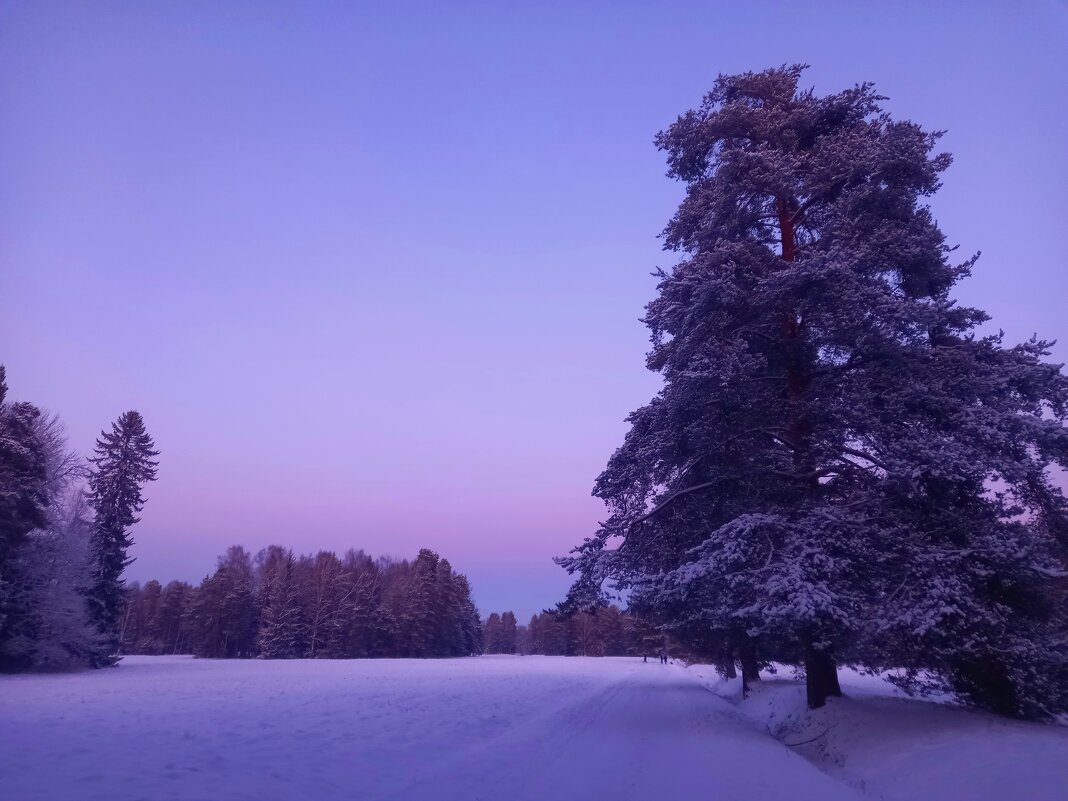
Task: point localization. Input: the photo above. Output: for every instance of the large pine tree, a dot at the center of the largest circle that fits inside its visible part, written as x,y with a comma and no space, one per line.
122,464
837,466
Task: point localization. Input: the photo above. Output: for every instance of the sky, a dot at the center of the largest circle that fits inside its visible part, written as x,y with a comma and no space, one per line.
374,272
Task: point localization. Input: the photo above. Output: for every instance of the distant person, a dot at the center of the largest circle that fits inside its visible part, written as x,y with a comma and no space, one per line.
663,657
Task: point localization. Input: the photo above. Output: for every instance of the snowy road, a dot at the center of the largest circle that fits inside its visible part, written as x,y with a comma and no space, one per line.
654,733
484,728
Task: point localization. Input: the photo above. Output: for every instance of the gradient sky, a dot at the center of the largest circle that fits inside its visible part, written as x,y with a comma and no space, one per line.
373,272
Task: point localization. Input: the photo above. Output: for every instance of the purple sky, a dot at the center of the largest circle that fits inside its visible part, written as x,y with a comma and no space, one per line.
373,277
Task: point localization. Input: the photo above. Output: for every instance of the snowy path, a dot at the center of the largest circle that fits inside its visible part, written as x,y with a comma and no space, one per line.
653,734
484,728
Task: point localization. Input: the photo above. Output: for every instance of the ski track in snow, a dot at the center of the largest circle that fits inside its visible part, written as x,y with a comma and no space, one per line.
175,728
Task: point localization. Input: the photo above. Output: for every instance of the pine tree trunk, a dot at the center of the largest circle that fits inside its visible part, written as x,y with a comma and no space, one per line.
727,666
820,670
797,427
750,667
785,210
821,677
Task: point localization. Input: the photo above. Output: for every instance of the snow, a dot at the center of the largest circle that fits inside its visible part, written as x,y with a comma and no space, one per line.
491,727
894,748
479,728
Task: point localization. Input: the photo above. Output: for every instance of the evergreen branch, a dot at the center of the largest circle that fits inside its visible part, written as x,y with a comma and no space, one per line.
867,456
672,498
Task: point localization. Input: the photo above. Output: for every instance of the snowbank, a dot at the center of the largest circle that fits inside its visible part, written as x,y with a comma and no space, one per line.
892,747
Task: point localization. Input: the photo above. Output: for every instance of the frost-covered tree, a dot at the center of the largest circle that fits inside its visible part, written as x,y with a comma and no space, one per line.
326,593
471,641
221,616
418,612
365,627
58,633
838,465
123,463
433,611
448,637
49,628
23,470
282,632
24,498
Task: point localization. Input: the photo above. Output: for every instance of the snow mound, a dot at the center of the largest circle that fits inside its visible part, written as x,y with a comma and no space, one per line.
895,748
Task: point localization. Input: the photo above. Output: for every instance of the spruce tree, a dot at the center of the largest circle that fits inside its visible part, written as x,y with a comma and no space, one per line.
838,465
419,621
122,465
470,623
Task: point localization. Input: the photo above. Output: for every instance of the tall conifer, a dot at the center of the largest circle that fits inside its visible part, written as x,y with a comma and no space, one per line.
122,465
838,465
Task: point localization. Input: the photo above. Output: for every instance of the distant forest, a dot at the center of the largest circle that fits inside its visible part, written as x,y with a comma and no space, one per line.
280,606
606,631
276,605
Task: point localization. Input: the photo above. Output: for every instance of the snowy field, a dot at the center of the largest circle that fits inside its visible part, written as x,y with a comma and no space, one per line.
492,728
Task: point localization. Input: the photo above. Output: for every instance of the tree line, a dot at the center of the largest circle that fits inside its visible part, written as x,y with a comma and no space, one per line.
64,535
840,467
605,631
276,605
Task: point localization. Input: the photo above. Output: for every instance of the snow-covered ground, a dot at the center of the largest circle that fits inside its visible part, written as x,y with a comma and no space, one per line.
482,728
895,748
